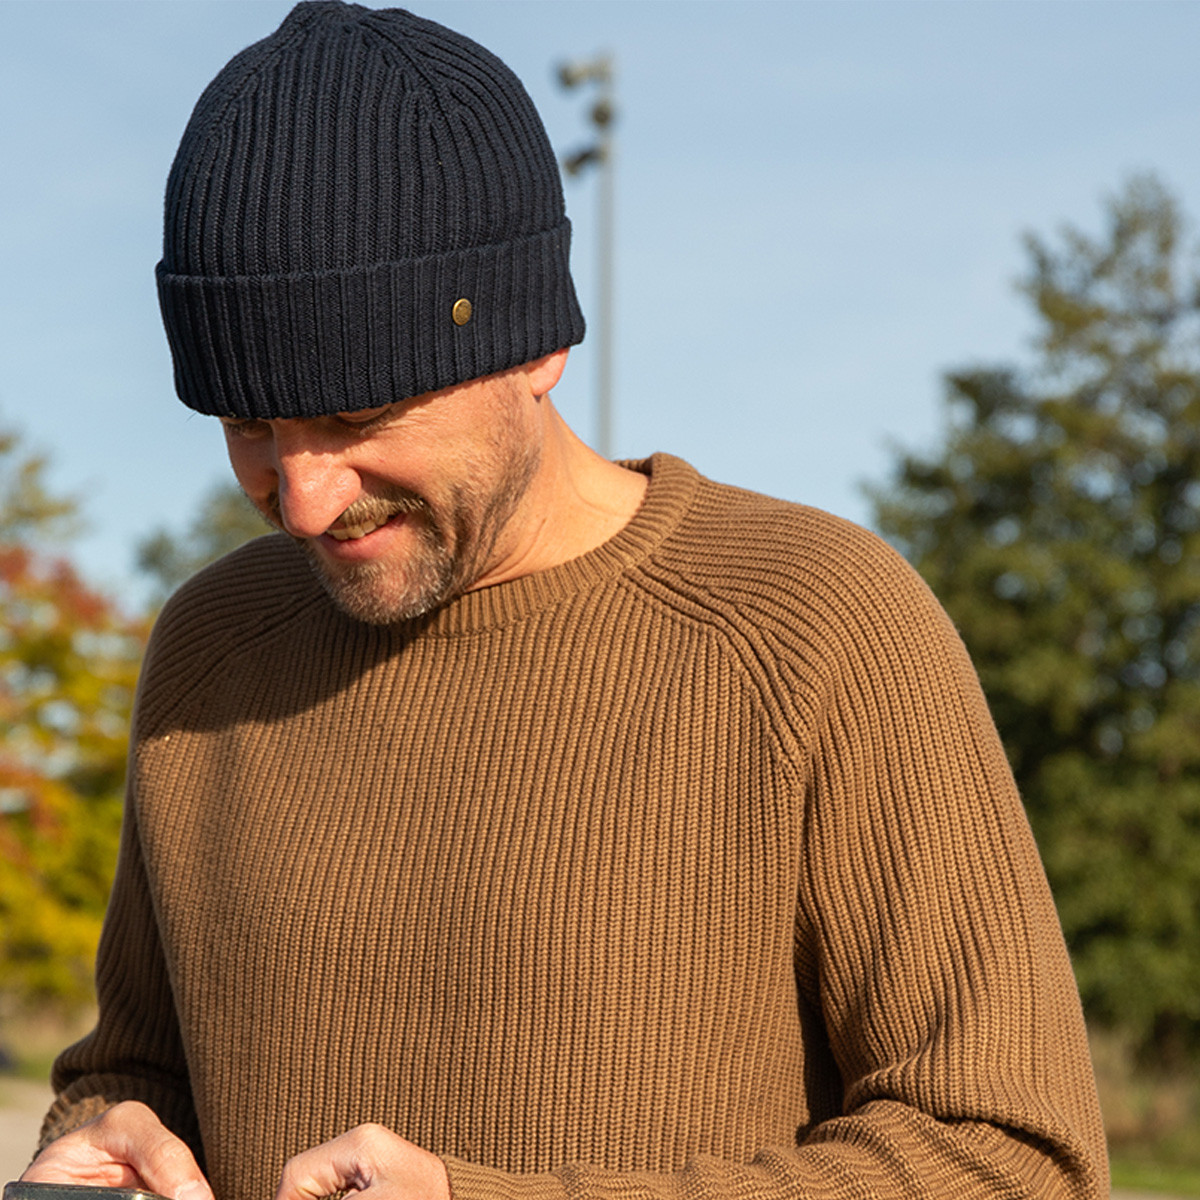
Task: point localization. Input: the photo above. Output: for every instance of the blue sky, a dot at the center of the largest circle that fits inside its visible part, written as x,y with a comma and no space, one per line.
819,211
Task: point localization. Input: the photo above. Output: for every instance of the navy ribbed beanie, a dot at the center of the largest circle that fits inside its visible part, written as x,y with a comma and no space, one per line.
364,207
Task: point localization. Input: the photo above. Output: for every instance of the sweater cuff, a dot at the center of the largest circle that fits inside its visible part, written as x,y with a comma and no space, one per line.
470,1181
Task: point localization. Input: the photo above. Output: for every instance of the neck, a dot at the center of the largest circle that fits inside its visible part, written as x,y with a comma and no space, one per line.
576,502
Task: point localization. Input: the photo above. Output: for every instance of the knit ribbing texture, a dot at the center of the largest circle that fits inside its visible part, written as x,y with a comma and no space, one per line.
690,868
340,186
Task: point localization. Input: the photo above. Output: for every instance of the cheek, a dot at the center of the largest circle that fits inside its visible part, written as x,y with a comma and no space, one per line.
415,459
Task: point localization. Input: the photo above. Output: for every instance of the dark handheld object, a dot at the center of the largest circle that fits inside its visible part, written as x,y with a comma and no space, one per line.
74,1191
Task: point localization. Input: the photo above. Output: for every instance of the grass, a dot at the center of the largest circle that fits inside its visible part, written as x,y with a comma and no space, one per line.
1136,1173
1152,1119
35,1067
30,1042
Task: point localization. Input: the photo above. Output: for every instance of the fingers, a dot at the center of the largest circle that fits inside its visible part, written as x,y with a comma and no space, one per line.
328,1168
368,1159
127,1146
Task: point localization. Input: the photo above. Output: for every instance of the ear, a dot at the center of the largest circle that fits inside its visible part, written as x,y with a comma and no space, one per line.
544,373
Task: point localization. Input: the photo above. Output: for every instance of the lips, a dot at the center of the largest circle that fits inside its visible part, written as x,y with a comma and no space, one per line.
351,533
365,537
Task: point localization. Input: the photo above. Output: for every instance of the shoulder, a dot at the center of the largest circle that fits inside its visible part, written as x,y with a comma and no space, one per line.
817,610
775,562
257,596
256,586
847,647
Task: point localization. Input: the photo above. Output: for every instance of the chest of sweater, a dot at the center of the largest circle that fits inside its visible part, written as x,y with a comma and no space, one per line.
503,894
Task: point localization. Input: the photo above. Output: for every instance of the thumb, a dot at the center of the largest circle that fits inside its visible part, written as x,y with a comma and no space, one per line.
126,1146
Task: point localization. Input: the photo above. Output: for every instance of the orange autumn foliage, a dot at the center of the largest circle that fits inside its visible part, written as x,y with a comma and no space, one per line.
68,667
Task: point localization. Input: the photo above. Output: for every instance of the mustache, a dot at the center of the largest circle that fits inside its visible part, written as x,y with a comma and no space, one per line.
370,509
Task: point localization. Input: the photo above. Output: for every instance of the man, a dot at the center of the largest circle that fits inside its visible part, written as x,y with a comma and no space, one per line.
558,828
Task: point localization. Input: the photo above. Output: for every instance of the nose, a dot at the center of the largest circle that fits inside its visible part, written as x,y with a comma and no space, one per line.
315,486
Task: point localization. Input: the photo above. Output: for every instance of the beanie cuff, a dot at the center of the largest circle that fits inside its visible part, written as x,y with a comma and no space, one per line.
306,345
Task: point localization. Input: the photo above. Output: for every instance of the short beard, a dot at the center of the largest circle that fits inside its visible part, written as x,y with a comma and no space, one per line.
454,545
370,592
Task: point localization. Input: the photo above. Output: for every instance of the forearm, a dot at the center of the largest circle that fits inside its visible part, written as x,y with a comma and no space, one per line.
885,1151
135,1052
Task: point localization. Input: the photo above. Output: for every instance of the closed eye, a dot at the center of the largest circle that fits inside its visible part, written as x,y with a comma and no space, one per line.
364,418
244,427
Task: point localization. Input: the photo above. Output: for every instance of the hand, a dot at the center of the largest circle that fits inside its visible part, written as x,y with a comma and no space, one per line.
127,1146
369,1159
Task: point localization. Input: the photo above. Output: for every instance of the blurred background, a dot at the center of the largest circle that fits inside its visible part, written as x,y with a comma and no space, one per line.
824,289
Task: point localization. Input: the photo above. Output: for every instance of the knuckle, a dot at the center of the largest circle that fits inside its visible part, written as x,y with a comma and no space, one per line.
368,1143
127,1112
362,1137
168,1152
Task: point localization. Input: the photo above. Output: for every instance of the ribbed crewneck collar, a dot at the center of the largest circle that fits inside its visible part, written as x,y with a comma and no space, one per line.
672,485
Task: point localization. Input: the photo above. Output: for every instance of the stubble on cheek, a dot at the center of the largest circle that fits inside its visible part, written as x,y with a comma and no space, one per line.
383,592
455,545
454,537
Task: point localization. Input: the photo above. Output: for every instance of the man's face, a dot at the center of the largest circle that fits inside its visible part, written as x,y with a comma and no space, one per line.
398,508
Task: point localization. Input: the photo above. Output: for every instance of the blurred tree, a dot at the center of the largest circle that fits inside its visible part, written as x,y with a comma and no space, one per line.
226,519
68,666
26,508
1060,526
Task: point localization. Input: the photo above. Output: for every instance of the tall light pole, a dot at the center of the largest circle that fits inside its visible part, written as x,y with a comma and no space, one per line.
599,71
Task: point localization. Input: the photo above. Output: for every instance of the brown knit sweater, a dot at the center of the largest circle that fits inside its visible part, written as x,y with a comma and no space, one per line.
690,868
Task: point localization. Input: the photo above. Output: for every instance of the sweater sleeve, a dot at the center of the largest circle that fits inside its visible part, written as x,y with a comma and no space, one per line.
135,1052
926,939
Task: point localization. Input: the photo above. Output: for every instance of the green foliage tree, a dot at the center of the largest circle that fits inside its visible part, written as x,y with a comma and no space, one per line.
226,519
1060,526
68,666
